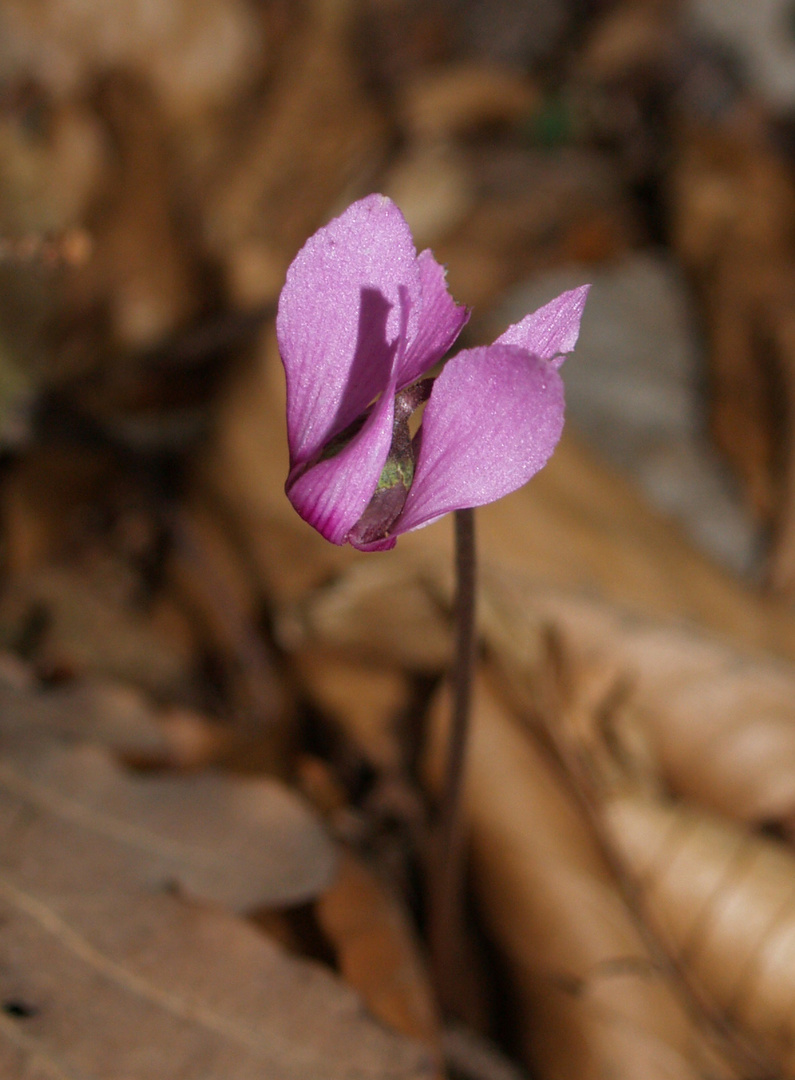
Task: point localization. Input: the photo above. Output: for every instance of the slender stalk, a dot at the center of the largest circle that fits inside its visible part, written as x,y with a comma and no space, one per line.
447,872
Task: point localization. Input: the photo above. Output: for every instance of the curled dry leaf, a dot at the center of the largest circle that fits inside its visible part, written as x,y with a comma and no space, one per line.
377,952
90,825
720,722
593,1000
103,983
723,901
719,898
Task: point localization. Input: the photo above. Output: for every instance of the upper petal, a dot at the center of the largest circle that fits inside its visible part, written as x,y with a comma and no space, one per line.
440,322
333,494
347,293
551,331
494,417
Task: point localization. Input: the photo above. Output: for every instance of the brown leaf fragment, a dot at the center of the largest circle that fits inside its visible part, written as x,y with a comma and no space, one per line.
475,1058
74,816
723,901
196,55
219,594
720,723
149,988
593,1001
141,278
464,97
378,612
314,139
378,953
78,622
363,701
88,711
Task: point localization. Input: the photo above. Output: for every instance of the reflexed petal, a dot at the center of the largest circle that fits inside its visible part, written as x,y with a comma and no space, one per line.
494,417
551,331
440,322
332,495
347,294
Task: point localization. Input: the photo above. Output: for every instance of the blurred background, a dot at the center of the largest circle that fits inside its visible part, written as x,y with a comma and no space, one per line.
161,163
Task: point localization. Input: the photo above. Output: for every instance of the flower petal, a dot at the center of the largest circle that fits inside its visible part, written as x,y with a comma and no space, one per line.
348,292
494,417
332,495
552,331
440,322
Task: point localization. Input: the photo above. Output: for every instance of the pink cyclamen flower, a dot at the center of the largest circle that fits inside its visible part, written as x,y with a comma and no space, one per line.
362,318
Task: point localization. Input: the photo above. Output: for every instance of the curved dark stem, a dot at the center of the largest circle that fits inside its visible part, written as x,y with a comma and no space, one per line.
447,872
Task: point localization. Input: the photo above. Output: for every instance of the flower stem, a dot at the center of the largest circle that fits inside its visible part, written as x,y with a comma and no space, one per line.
447,872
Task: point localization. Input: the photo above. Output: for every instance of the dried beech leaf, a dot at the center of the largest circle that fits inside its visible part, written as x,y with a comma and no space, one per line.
593,1000
437,104
239,842
83,623
141,275
101,984
213,584
377,952
197,54
724,901
315,138
721,723
363,701
89,711
377,611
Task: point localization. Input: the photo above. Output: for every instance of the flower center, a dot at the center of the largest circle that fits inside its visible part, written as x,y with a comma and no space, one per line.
397,475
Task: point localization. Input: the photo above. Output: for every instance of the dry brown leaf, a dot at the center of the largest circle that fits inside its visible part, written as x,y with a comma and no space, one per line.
363,701
141,277
102,984
733,205
236,841
77,620
197,54
315,138
724,902
48,180
222,601
633,36
430,182
593,1000
459,98
377,952
720,722
720,899
88,711
382,613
